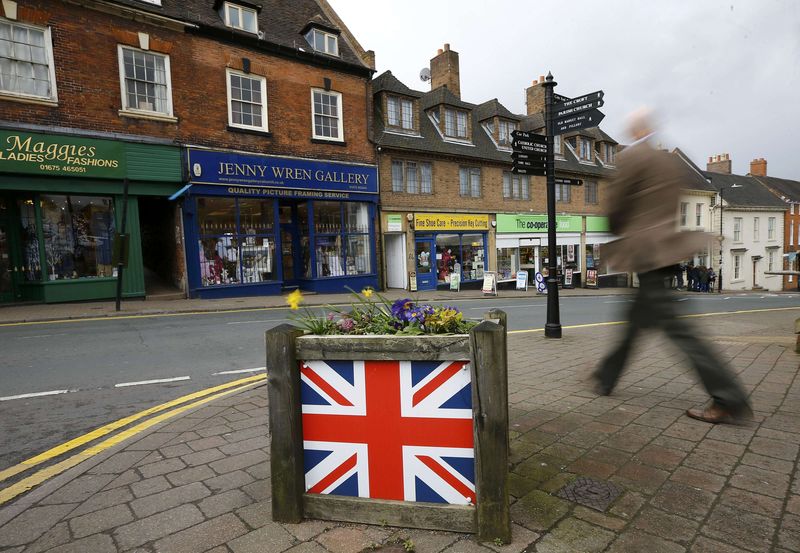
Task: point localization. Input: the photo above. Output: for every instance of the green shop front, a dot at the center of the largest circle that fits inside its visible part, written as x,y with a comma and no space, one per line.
522,246
61,202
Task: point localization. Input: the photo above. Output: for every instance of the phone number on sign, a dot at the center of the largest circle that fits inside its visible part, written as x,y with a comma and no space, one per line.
65,168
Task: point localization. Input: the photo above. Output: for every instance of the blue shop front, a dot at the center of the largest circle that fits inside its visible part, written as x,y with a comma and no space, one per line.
261,225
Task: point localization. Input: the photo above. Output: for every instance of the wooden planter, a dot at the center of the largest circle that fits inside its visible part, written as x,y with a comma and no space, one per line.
401,430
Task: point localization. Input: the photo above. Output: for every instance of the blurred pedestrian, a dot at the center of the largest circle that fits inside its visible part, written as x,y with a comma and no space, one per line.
703,278
712,279
690,276
644,205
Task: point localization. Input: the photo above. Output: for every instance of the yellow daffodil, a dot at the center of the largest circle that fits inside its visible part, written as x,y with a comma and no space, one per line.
294,299
367,292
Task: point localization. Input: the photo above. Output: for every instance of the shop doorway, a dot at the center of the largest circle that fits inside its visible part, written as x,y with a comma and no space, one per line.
425,263
158,222
293,218
396,261
8,265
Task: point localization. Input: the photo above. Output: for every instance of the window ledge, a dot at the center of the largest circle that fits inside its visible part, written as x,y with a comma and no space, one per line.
243,130
331,142
28,99
145,115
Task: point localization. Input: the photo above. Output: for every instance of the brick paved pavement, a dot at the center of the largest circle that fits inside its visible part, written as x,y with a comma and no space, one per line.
201,482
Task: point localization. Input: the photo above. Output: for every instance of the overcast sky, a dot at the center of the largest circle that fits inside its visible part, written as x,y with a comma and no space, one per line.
724,76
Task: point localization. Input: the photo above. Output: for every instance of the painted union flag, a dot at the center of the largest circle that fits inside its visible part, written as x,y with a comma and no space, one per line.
389,430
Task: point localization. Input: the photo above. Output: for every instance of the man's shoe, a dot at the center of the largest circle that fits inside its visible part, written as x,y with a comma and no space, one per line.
717,414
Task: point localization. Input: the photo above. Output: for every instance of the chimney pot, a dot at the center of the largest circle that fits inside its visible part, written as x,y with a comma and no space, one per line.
541,78
535,82
445,70
439,52
711,159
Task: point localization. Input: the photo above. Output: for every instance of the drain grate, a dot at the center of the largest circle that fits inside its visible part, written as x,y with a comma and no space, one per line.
596,494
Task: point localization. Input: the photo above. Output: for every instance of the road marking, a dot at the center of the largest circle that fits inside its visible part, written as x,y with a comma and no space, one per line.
156,381
508,306
241,371
263,321
621,301
110,427
41,476
41,336
36,394
609,323
682,299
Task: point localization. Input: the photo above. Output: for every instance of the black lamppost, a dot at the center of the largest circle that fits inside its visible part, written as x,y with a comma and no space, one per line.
721,207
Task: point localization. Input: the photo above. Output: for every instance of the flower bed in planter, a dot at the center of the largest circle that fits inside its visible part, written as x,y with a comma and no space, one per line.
407,430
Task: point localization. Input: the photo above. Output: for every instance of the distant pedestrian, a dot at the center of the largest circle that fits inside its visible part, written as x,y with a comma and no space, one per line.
703,278
690,277
679,275
644,204
712,279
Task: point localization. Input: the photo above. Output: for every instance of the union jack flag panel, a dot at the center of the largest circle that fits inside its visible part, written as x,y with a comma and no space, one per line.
389,429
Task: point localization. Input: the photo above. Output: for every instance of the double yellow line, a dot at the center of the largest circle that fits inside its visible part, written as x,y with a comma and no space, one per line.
181,405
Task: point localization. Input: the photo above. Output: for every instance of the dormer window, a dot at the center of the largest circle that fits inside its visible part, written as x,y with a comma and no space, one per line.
239,17
455,123
557,145
400,113
321,41
608,153
585,151
504,130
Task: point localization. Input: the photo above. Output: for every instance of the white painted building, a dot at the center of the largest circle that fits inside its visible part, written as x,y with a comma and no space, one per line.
752,227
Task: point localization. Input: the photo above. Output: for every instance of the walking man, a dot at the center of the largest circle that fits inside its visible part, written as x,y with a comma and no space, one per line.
644,206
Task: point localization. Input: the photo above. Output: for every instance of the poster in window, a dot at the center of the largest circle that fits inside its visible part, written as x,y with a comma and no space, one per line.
596,251
591,278
570,253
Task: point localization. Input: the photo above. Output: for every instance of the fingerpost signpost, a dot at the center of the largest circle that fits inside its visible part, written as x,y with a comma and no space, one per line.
533,155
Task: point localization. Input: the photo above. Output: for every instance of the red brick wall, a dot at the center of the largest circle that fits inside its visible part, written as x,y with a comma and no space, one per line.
88,84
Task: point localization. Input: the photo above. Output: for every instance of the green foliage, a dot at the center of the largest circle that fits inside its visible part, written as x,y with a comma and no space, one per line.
408,545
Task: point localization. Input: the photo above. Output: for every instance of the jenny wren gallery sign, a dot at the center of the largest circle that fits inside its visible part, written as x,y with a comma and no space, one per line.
57,155
270,172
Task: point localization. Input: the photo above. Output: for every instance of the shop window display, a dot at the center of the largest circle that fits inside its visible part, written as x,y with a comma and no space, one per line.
594,259
466,250
237,241
32,269
78,232
342,239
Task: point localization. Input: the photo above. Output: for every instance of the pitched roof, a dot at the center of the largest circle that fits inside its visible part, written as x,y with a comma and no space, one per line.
492,108
482,147
750,193
789,189
696,178
442,95
388,82
280,22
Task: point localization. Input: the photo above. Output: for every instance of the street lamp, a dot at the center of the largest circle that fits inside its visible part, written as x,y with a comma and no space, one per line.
719,287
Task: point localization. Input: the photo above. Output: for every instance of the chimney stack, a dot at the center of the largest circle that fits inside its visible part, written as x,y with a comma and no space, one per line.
445,71
719,164
534,96
758,167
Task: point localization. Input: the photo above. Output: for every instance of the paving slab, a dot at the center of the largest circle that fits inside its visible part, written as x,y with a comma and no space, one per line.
202,482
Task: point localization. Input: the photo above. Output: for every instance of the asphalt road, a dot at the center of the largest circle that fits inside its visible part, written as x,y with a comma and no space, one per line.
87,361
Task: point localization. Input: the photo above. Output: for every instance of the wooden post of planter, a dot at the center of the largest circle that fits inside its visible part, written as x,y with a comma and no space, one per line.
490,404
285,424
499,316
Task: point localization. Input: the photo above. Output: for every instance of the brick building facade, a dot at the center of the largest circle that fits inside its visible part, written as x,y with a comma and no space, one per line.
274,90
448,195
788,191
